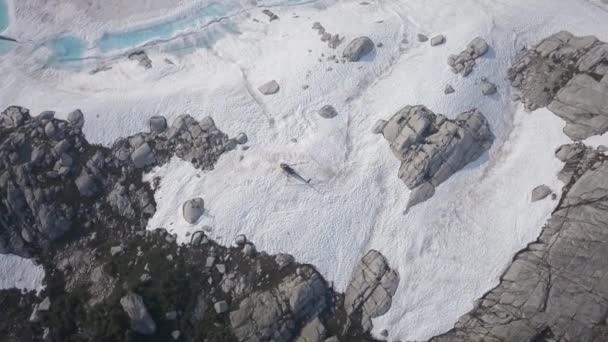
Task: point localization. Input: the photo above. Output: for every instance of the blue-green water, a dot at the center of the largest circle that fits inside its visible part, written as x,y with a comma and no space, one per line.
67,48
4,17
130,39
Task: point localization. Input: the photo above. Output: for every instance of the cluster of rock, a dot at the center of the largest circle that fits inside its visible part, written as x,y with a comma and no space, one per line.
47,163
271,15
436,40
568,74
432,147
333,40
141,58
51,179
464,62
555,289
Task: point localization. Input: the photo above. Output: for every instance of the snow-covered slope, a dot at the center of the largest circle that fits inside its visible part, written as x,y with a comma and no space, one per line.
448,250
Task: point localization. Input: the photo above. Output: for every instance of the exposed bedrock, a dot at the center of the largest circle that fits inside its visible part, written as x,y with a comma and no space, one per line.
52,180
557,288
568,74
432,147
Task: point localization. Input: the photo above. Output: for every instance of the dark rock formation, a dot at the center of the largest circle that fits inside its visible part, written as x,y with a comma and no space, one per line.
52,179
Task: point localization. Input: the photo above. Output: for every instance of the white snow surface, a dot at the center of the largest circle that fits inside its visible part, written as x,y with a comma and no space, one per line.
448,251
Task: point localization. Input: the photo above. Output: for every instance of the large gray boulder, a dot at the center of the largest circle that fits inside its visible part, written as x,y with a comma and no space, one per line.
370,290
269,88
358,48
76,118
158,124
432,147
540,192
193,209
142,156
328,112
141,321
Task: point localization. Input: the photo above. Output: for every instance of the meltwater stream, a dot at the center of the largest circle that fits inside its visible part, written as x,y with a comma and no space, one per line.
70,48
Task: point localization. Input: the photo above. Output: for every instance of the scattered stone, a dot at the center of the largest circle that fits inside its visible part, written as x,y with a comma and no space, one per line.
116,250
487,87
269,88
328,112
358,48
437,40
240,240
541,192
448,90
422,38
141,322
141,58
270,15
193,210
241,138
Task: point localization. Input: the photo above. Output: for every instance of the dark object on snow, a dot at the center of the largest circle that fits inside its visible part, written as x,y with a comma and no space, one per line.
291,172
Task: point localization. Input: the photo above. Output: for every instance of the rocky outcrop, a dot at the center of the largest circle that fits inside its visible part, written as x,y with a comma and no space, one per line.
52,179
370,291
272,314
555,289
565,73
432,147
358,48
464,62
